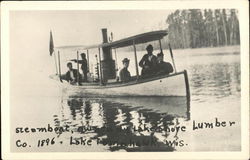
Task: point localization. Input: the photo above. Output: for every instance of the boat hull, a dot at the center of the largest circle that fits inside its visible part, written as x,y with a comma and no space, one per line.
170,85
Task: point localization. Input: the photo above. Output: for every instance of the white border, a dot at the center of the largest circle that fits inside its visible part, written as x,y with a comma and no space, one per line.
241,5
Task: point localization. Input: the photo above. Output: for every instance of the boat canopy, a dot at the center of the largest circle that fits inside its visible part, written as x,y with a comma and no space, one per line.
69,47
137,39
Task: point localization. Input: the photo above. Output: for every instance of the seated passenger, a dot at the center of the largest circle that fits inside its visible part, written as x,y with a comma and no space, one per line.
124,73
71,75
148,62
163,67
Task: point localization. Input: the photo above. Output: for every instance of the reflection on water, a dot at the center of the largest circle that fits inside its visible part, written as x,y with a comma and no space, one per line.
135,126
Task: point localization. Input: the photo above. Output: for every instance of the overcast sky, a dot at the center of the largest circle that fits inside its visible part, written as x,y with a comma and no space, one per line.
84,27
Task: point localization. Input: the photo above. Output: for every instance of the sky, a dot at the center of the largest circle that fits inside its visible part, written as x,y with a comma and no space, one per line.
84,27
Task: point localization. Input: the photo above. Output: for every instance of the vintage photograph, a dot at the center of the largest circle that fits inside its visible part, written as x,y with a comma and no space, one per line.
117,80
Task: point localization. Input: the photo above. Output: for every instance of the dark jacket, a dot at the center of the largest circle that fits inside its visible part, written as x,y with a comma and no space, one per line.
164,68
69,79
124,75
145,62
84,65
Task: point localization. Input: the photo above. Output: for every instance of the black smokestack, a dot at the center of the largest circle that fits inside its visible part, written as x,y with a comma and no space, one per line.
107,63
104,35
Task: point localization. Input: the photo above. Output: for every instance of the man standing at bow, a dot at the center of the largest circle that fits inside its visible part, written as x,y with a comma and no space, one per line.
84,66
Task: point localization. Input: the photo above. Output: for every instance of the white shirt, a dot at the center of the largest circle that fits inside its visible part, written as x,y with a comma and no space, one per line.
71,75
150,57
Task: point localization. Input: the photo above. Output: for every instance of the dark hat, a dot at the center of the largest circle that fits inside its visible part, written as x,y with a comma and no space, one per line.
69,63
149,47
125,60
160,54
83,54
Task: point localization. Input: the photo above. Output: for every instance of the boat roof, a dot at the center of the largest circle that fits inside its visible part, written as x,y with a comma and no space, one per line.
73,46
137,39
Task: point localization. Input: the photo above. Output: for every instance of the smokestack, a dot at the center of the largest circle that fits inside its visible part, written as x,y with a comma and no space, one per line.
104,35
107,63
106,54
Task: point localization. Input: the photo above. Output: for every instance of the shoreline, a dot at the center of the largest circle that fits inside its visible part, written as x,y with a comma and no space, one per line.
205,50
221,49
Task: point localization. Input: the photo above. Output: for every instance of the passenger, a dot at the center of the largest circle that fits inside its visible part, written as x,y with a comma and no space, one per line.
163,67
84,66
148,62
71,75
124,73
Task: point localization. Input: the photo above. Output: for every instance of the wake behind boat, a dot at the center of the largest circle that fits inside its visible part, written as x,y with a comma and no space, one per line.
105,82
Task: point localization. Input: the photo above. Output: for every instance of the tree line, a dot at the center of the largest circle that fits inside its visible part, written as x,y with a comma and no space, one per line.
195,28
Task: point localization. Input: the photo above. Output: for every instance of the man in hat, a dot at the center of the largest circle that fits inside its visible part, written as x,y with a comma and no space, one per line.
71,75
148,62
163,67
84,66
124,73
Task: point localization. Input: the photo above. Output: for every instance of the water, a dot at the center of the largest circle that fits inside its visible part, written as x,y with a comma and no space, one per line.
130,123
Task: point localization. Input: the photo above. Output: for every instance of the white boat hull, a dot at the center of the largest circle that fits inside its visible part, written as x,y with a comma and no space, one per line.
171,85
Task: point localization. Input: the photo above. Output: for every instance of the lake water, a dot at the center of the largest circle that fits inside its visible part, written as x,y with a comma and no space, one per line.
129,123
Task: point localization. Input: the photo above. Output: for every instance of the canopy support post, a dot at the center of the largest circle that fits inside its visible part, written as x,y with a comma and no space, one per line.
77,78
55,63
172,56
136,64
116,64
59,66
100,65
160,45
88,59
